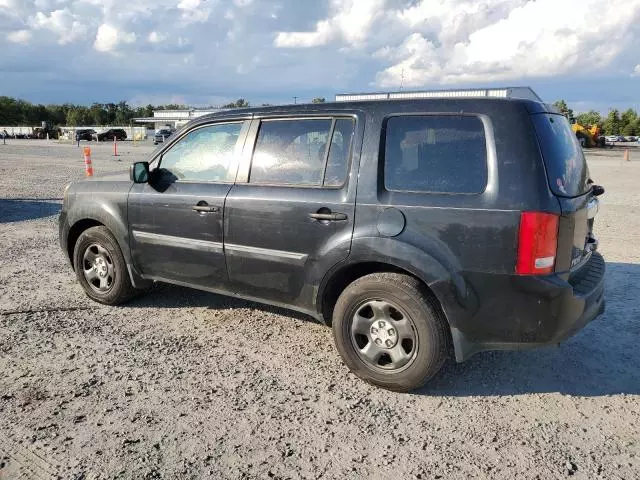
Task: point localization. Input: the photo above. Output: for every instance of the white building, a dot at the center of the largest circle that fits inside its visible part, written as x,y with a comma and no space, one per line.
175,118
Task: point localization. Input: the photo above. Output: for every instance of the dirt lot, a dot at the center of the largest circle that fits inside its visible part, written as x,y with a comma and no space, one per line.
183,384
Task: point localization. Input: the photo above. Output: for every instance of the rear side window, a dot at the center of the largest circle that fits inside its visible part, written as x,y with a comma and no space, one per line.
339,153
435,153
290,152
562,155
302,152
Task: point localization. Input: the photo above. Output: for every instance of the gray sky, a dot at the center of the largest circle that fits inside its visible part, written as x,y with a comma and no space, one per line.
210,51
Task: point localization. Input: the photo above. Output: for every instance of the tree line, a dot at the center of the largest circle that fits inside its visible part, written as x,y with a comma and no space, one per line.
625,123
20,112
14,112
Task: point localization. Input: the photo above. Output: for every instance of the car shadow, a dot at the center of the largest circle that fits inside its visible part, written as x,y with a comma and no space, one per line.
602,359
164,295
20,209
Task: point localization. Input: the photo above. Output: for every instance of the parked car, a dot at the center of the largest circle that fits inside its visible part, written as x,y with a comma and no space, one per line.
413,226
112,133
85,134
611,138
162,135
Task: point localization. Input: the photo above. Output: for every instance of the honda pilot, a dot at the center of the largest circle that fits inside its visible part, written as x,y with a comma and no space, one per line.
415,224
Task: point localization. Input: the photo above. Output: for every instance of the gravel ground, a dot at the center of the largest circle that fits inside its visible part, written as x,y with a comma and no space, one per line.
184,384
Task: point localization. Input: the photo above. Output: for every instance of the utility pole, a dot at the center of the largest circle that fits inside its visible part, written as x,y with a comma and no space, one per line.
401,79
295,99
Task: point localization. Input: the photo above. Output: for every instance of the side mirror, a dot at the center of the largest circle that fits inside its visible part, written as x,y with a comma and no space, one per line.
139,172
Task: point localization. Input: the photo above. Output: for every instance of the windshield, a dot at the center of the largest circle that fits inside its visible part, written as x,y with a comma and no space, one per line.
562,154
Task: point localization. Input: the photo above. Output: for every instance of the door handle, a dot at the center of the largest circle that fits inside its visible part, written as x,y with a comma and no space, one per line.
205,208
331,217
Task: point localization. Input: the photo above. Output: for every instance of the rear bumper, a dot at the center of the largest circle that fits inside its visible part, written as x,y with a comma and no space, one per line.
530,312
587,300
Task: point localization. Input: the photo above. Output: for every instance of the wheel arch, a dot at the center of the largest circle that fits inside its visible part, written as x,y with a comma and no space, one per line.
345,274
82,221
74,233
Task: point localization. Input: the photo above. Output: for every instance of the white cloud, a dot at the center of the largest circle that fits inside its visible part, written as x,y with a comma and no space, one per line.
19,36
199,48
322,35
189,4
155,37
109,38
351,22
194,11
536,39
63,23
456,41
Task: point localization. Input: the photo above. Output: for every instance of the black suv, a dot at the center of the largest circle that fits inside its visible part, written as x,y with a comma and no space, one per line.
85,134
117,133
414,227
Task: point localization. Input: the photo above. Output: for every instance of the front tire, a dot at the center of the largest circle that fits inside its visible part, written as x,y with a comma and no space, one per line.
100,267
389,331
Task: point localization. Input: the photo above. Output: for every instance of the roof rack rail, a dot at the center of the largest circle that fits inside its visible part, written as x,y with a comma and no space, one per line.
524,93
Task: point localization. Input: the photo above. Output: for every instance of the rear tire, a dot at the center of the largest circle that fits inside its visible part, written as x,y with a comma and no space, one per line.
100,267
389,331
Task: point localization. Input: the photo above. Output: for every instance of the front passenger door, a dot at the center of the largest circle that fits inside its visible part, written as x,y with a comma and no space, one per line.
175,220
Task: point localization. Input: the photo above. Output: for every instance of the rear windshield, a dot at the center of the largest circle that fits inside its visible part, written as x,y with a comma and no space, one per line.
566,166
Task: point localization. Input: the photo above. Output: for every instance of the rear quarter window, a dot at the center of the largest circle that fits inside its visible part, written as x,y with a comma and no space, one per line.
566,166
435,154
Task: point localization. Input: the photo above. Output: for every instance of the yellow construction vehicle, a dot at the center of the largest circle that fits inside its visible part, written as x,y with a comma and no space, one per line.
589,136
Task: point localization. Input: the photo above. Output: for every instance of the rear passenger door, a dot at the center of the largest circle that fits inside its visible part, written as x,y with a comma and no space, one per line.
290,215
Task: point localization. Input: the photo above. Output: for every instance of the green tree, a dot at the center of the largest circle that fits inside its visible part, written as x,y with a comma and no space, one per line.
628,121
123,114
318,100
240,103
74,117
9,111
111,112
612,123
147,111
564,108
57,114
98,114
589,118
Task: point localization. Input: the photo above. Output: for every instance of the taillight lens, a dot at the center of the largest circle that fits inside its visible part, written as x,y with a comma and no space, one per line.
537,243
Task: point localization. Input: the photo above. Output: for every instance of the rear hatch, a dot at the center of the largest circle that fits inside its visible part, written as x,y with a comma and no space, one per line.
568,177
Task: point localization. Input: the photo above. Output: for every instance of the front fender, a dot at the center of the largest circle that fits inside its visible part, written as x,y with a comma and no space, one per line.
107,214
105,203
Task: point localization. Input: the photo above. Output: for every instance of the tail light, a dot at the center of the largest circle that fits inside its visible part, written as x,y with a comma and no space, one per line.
537,243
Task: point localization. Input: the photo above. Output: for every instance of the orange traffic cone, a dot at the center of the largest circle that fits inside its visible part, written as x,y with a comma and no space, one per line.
87,162
626,155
